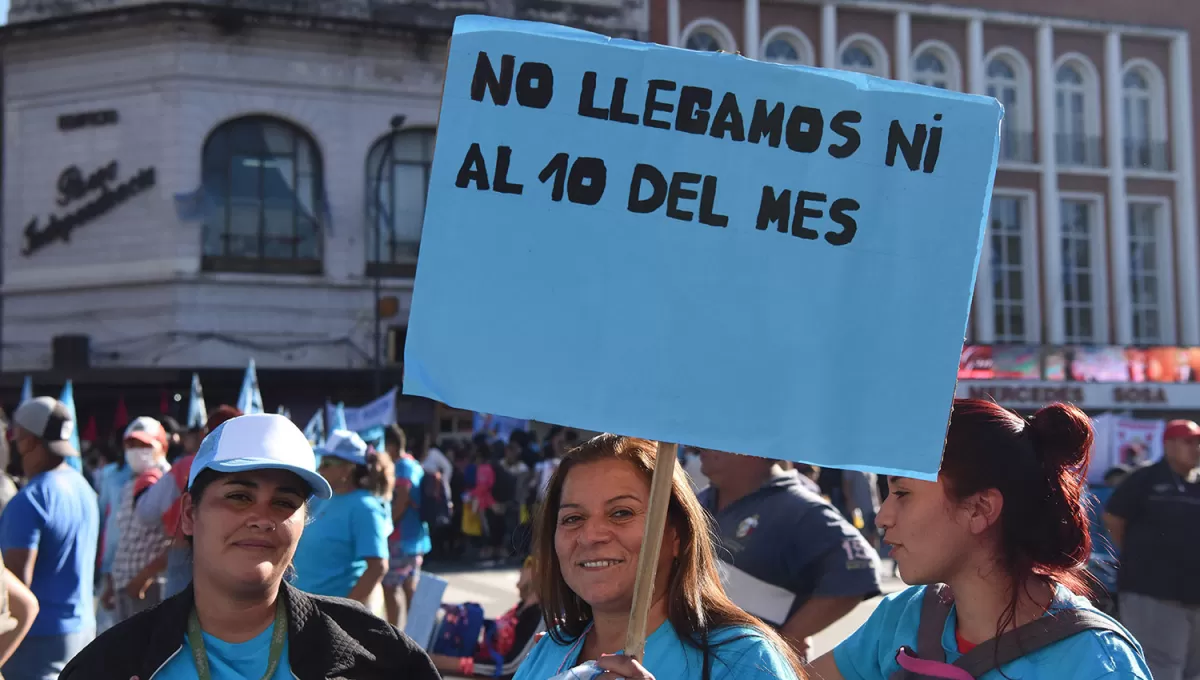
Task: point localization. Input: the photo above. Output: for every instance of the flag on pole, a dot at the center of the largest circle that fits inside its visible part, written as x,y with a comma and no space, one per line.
68,399
250,399
26,390
337,420
197,410
90,432
315,429
121,417
284,411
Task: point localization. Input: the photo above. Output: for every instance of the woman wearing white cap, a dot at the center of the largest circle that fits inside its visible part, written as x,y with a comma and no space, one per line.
244,513
344,552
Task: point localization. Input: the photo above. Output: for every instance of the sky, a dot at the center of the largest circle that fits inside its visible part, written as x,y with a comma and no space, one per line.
3,11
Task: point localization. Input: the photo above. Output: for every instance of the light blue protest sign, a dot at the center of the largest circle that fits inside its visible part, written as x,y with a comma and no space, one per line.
767,259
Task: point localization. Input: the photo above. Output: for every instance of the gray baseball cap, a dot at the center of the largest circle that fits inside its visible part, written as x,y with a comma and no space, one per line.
49,420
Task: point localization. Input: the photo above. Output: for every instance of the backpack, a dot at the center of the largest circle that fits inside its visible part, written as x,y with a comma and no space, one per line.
434,506
504,489
458,635
498,638
929,659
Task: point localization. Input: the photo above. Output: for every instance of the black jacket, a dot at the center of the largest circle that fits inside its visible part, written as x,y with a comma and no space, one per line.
328,639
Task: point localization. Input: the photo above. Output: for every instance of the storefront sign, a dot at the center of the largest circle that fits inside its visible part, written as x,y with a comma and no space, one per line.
74,186
1085,395
74,121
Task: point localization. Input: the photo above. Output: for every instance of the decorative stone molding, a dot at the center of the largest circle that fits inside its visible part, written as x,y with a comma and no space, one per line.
619,18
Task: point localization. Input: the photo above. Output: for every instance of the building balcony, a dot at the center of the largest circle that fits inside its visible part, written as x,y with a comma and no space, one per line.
1016,146
1146,155
1078,150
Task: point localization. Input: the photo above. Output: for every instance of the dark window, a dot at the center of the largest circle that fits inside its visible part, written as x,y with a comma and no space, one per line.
397,181
262,178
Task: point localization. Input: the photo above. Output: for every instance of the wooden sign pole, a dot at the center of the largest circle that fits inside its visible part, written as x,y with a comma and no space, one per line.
656,523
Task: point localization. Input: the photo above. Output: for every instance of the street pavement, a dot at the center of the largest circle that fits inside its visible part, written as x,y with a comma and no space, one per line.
496,591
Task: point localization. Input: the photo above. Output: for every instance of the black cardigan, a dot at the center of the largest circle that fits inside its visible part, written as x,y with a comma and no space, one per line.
328,638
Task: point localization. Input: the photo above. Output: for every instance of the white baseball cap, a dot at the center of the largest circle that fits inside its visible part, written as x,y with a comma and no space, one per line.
148,431
262,441
346,445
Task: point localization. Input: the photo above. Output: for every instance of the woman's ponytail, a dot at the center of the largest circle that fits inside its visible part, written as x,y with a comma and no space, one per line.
1062,437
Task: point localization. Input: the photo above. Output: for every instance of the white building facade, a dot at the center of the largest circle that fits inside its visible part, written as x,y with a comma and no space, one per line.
190,186
1093,247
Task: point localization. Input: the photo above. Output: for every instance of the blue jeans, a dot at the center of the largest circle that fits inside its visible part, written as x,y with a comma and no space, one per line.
43,657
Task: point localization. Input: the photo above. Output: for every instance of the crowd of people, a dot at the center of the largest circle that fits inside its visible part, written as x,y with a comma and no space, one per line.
236,550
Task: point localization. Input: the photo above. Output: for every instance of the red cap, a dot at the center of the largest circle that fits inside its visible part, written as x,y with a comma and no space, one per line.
1181,429
216,418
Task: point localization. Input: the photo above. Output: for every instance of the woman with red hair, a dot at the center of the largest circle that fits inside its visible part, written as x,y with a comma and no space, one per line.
998,549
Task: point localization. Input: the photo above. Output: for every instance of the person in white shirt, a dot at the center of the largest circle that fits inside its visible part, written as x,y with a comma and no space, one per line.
436,462
557,445
691,465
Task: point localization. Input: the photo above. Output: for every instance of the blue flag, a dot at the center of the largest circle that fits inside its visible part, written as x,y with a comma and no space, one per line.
26,390
197,411
315,429
337,419
68,399
284,411
373,436
250,399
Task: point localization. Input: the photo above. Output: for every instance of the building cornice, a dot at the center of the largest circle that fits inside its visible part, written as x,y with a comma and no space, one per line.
413,22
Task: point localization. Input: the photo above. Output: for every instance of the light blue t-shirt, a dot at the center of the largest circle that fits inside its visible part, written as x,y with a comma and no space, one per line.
413,534
227,661
57,514
739,654
870,652
345,531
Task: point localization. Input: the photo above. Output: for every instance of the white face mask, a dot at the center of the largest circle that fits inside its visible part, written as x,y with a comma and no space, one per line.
140,459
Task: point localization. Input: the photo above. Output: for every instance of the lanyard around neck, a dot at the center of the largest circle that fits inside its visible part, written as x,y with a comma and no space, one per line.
576,648
278,638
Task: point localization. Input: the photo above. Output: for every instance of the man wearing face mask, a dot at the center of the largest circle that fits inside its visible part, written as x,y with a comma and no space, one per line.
162,504
135,581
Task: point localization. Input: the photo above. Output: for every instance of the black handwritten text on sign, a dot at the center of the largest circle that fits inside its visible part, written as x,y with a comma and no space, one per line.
665,105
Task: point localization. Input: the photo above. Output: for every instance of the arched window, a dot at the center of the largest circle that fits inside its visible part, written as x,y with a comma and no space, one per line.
1008,79
708,35
864,54
1077,112
264,203
397,181
786,45
1144,117
935,64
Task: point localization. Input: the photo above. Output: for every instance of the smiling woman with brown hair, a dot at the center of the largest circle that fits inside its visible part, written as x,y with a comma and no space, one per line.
244,513
589,535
